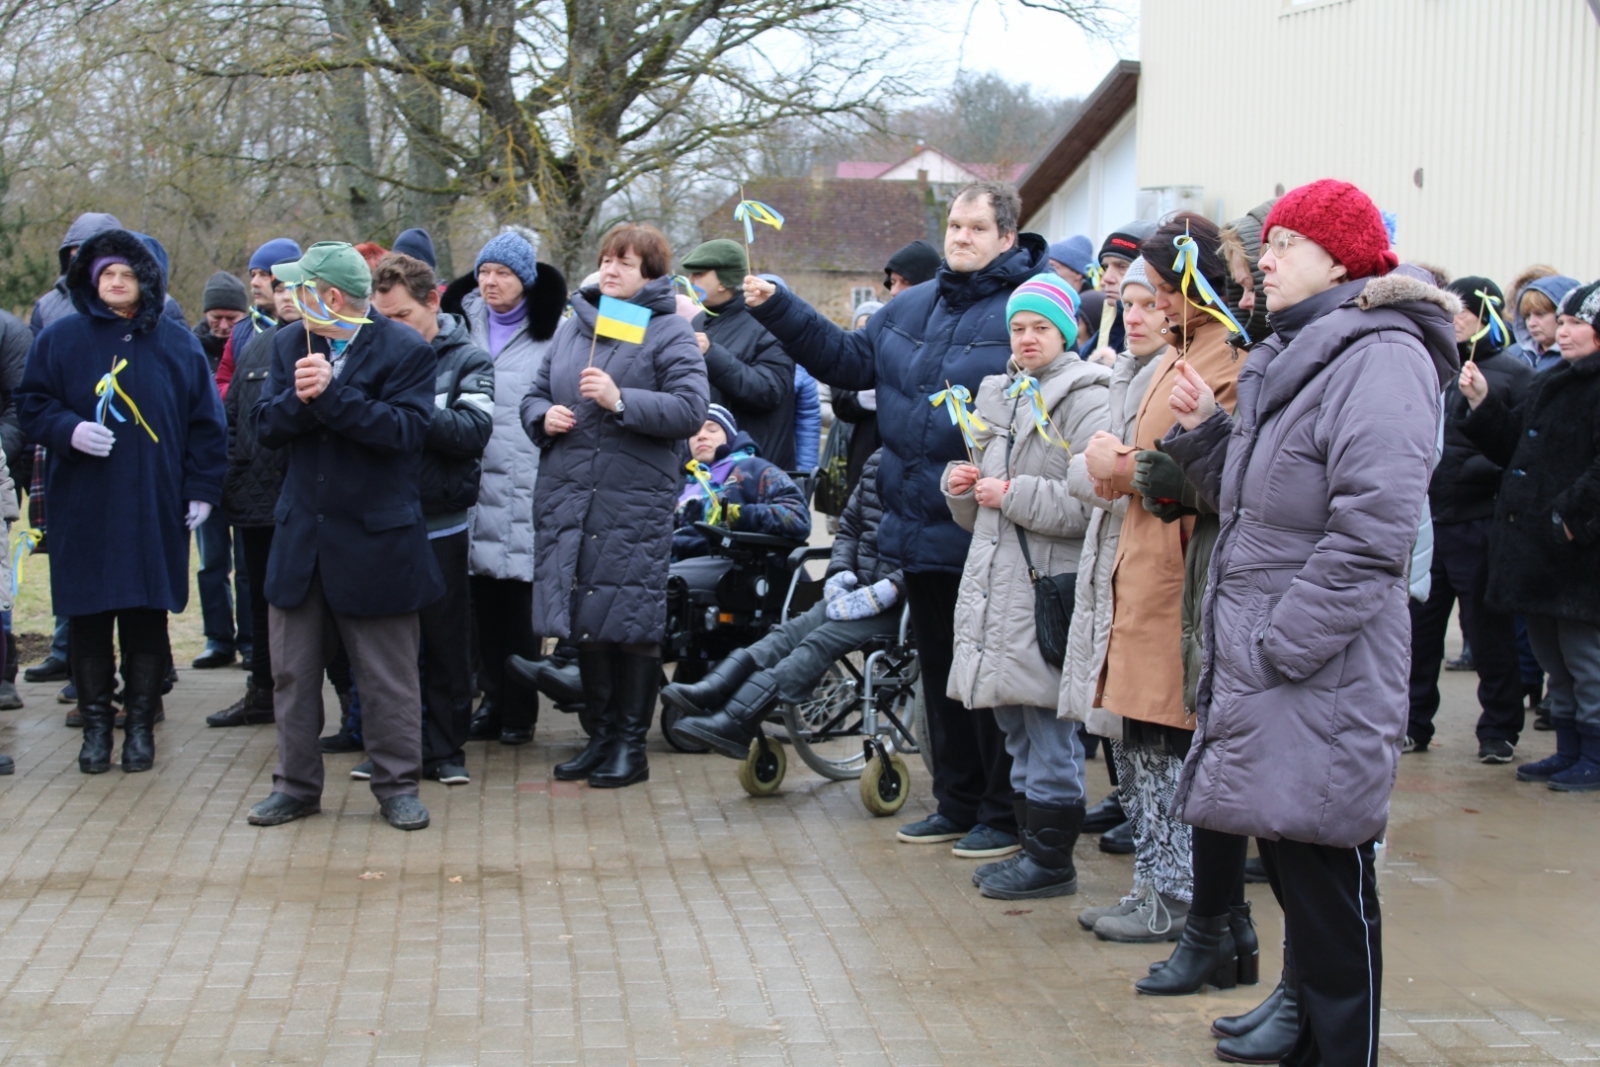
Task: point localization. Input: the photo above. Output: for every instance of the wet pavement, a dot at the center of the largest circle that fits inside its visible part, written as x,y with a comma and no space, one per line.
142,921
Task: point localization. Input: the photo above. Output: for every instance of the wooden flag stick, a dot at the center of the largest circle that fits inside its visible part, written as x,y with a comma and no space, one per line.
592,339
749,257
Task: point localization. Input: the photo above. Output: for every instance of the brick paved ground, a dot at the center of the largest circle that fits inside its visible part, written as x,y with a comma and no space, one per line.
142,921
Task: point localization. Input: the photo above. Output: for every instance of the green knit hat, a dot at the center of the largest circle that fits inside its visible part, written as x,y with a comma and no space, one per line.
723,256
1047,295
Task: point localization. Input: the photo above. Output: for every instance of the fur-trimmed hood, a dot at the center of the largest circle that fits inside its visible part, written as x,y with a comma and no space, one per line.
152,280
545,299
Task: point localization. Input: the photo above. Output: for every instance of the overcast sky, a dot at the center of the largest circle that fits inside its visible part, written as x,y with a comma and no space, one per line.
1023,44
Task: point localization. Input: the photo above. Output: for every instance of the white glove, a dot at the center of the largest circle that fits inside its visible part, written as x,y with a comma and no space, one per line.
864,603
838,586
93,439
199,511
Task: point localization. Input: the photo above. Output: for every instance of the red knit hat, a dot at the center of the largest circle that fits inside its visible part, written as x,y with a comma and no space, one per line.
1340,218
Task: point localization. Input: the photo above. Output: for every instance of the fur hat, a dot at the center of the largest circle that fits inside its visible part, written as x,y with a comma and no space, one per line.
1340,218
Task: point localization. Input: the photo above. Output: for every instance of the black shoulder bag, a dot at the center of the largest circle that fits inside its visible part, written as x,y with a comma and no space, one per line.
1053,594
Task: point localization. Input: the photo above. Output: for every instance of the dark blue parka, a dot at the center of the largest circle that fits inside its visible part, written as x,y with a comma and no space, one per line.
351,504
117,533
953,329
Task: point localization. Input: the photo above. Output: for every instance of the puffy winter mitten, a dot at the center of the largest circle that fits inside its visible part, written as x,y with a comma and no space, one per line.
838,586
93,439
1159,480
864,603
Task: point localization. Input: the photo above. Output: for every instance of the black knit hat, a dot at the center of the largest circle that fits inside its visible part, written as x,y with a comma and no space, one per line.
1124,242
1584,303
1468,288
224,292
917,262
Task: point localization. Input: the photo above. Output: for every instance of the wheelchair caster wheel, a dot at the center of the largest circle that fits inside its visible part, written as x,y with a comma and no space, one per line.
669,715
761,772
885,784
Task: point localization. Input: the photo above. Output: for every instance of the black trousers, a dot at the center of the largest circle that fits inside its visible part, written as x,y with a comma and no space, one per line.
447,658
1461,572
257,544
141,630
503,608
971,767
1329,898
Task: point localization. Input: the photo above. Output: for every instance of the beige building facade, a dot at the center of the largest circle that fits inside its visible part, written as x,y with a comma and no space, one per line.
1475,122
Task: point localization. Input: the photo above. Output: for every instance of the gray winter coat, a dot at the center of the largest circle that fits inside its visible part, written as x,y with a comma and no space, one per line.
1091,612
1322,476
997,660
608,487
501,522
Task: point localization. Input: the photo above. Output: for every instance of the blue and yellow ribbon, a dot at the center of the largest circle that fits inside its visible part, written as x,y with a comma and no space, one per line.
682,284
702,474
328,316
1494,327
752,211
956,399
1094,272
107,389
1192,281
1029,385
27,540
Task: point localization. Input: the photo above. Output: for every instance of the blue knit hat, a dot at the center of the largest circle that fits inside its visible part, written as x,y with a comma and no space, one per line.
417,244
1075,252
514,251
723,417
278,250
1048,295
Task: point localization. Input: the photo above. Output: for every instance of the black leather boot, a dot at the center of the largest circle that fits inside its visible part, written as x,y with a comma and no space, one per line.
1245,943
1273,1039
633,705
1019,811
731,730
599,670
485,724
1205,953
710,693
561,682
348,739
142,676
94,678
1106,815
1235,1025
1046,868
252,709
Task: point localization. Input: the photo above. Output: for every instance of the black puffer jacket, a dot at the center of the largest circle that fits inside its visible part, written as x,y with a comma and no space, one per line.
865,440
1550,449
255,472
751,377
463,419
855,546
1466,481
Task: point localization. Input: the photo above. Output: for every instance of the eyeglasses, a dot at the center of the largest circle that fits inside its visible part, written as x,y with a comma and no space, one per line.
1281,241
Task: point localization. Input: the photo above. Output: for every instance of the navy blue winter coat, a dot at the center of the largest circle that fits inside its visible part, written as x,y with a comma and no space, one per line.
117,533
953,329
607,488
350,503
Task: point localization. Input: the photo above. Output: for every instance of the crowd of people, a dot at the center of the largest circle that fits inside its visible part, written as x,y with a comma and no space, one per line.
1203,499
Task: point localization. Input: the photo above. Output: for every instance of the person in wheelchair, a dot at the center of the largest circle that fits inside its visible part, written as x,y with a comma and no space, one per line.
730,485
725,709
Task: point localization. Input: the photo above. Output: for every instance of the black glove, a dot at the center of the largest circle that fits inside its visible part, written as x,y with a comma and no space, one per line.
1159,480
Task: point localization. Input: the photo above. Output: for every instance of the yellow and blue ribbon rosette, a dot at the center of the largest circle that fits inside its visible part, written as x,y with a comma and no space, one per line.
1027,384
957,400
1193,282
108,390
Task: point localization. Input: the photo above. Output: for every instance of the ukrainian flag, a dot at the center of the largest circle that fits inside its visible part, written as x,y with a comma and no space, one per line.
621,320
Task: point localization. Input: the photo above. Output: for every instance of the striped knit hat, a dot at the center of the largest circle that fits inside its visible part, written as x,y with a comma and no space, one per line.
1050,296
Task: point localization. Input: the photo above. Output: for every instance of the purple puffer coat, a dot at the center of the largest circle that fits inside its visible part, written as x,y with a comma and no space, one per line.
1321,479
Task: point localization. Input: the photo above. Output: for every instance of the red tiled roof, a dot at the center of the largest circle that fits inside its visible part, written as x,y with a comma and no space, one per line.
857,168
829,224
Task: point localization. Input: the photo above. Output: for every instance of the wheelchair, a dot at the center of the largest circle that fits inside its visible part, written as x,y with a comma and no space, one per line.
865,712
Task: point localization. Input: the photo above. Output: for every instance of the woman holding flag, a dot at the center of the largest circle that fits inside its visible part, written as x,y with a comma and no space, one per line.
1024,523
622,386
123,398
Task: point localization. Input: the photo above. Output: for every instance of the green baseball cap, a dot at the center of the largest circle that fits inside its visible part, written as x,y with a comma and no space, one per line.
334,263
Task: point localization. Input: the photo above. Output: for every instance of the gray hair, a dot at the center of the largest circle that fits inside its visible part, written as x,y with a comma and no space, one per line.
1003,197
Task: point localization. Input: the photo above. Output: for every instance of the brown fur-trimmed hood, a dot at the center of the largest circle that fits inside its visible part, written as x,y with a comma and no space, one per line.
1405,285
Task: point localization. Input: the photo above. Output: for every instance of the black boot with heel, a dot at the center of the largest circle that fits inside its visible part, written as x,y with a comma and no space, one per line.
1276,1024
598,668
1205,954
714,690
143,674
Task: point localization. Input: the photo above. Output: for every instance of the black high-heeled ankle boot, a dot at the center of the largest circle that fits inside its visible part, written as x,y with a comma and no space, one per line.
1245,943
598,668
1204,954
1275,1037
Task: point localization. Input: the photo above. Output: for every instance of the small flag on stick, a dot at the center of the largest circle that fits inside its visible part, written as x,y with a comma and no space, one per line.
621,320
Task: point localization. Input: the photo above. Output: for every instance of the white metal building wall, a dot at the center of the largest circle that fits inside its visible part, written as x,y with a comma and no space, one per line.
1496,101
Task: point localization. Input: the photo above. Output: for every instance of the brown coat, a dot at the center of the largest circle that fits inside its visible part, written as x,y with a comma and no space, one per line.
1143,673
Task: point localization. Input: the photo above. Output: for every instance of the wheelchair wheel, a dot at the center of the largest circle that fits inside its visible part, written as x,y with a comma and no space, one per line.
836,701
762,771
669,715
884,788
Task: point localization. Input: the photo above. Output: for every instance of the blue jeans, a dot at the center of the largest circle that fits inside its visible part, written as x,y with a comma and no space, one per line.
1046,754
221,557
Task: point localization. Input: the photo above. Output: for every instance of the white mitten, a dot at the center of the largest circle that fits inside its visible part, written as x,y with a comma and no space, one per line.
838,586
199,511
93,439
